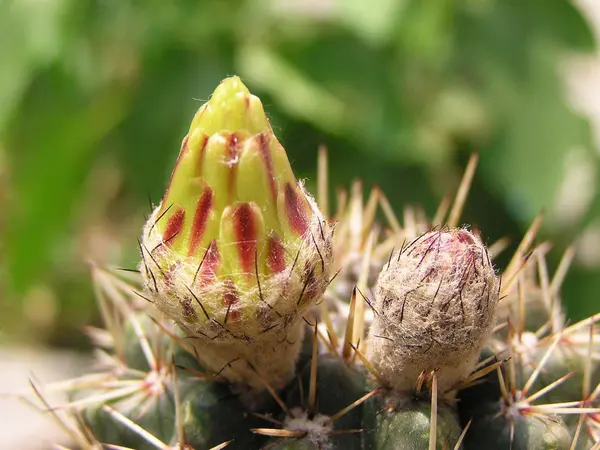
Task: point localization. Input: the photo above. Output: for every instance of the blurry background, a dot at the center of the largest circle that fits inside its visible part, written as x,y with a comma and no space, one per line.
96,95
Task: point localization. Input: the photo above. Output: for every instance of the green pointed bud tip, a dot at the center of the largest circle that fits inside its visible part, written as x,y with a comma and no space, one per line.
231,108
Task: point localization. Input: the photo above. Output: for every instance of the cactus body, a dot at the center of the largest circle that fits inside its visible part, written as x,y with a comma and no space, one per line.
338,385
407,425
156,415
562,361
503,425
211,415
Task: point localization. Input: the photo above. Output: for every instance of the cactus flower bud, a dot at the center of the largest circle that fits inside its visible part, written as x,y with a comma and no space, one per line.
237,251
434,310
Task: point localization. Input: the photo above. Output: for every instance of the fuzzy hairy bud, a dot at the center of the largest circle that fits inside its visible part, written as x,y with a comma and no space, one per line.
434,309
237,251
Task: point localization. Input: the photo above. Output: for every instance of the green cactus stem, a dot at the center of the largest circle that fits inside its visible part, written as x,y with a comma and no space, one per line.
407,425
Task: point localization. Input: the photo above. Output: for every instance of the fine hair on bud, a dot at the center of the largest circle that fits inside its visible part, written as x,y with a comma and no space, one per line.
434,309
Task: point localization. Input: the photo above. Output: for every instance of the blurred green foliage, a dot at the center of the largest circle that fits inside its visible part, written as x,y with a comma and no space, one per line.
96,95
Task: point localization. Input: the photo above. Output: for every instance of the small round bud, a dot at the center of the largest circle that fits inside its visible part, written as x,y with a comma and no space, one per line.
434,309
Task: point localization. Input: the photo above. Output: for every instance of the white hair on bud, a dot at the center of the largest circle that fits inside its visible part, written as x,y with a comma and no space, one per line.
434,309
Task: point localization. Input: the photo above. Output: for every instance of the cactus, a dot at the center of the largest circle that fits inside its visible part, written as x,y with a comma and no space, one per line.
236,330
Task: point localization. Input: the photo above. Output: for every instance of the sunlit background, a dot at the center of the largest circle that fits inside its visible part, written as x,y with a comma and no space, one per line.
96,95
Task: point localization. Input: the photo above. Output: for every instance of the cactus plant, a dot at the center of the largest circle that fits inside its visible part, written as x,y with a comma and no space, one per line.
237,331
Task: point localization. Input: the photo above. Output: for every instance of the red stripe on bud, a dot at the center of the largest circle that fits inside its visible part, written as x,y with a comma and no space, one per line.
201,154
233,158
231,300
174,225
203,208
275,255
210,264
245,233
295,210
266,155
183,151
465,237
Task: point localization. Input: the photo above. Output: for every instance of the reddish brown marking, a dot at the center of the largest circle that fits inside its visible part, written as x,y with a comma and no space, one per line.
187,309
174,226
245,234
266,155
294,209
275,255
201,154
231,300
459,244
465,237
232,148
169,274
210,265
232,161
203,208
442,242
183,151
